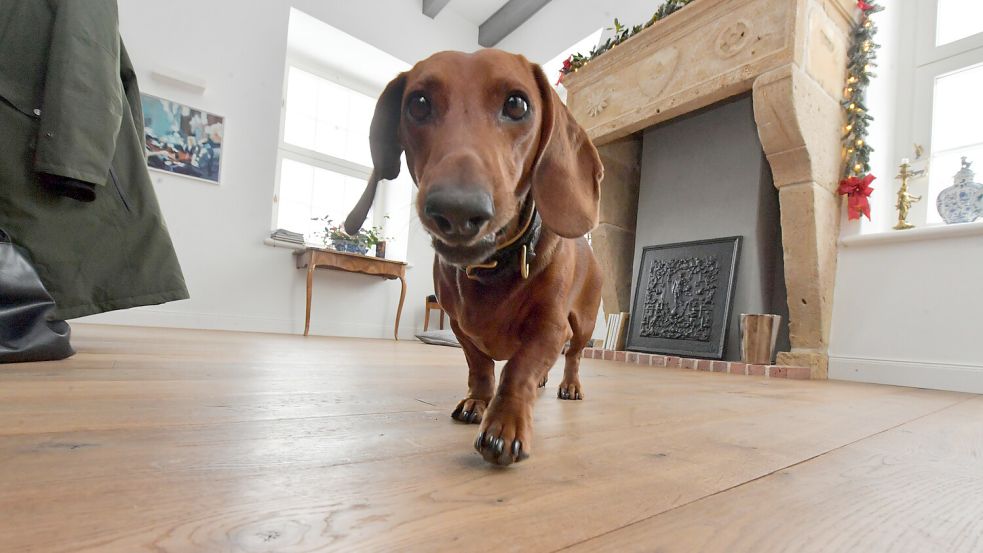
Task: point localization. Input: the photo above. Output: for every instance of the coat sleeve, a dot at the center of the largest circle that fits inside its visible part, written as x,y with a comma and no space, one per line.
82,105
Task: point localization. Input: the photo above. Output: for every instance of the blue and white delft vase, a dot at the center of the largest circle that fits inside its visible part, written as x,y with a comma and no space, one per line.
963,201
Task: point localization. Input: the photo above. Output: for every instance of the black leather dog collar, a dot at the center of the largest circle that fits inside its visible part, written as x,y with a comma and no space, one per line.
517,253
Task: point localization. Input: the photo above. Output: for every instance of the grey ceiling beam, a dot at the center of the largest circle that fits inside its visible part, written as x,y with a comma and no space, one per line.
507,19
432,7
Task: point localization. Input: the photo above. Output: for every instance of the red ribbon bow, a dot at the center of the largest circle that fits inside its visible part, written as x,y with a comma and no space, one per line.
567,64
864,6
857,190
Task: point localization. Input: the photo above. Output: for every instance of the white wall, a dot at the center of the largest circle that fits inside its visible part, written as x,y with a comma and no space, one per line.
238,48
907,304
907,309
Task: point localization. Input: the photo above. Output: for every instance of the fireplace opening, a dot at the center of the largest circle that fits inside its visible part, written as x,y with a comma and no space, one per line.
704,176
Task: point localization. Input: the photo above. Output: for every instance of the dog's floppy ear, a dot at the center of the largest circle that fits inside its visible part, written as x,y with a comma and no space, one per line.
566,176
385,147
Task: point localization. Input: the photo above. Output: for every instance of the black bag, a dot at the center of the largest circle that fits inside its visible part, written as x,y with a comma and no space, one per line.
26,334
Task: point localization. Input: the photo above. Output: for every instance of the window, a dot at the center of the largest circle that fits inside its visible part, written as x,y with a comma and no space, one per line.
948,115
328,118
331,82
324,153
957,116
958,19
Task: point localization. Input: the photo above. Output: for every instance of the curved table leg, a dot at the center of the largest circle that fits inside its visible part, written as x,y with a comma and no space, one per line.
399,310
310,288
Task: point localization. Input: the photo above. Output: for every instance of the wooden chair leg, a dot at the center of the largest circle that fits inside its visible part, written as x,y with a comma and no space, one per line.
441,318
426,319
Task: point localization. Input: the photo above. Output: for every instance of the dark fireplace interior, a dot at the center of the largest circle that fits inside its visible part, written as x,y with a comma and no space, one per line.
705,176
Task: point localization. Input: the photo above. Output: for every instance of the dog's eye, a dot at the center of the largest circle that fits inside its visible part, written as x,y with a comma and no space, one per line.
418,107
516,107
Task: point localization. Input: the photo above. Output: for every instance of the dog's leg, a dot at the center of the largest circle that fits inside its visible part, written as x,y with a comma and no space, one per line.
505,435
481,381
570,386
546,374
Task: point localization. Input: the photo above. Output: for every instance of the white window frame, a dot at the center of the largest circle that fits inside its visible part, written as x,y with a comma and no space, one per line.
930,62
285,150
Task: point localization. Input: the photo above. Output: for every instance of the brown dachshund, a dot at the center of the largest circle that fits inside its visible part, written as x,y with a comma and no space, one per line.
508,187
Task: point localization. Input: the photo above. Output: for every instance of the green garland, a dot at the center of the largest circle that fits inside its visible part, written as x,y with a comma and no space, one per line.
621,34
861,56
857,177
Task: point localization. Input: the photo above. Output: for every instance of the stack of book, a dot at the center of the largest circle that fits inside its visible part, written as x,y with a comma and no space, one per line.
617,331
289,236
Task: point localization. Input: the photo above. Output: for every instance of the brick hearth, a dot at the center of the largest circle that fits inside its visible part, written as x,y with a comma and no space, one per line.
728,367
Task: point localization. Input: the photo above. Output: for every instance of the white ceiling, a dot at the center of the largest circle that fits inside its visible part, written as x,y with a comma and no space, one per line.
475,11
313,41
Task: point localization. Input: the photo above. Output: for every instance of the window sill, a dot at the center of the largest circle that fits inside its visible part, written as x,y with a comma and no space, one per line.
300,247
287,245
936,232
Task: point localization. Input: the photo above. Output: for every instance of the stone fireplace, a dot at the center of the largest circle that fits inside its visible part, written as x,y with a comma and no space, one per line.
790,55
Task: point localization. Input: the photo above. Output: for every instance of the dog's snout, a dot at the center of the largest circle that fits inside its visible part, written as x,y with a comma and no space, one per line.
459,213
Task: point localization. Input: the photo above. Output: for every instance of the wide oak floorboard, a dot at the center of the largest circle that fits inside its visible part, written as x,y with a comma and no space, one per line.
176,440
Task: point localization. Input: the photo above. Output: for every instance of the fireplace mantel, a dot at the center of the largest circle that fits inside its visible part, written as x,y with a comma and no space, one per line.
791,55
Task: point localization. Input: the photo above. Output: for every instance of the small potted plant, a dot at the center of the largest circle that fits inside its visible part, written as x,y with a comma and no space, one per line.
336,238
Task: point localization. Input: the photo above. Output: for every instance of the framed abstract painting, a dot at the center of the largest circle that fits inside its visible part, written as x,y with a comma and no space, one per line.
183,140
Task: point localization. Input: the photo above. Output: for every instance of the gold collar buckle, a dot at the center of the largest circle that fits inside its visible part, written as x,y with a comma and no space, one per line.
523,264
468,270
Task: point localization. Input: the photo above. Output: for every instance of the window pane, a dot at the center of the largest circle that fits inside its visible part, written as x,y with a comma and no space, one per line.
327,195
942,169
307,192
295,182
332,104
293,210
957,116
958,19
357,149
957,129
331,139
302,92
326,117
299,130
301,116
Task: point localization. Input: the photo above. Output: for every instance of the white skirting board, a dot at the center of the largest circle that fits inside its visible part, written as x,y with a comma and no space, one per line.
152,316
914,374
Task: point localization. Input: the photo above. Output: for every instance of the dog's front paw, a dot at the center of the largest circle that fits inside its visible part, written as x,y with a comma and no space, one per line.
570,389
469,410
506,432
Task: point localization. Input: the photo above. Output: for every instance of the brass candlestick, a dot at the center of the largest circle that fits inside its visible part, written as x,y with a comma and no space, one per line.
905,199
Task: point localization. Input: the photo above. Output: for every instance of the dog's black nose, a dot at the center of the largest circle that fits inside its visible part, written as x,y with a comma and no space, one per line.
459,213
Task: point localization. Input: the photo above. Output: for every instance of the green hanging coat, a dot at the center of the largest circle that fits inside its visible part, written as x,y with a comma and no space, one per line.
70,107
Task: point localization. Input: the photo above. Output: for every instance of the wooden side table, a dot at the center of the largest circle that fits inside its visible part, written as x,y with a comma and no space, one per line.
314,258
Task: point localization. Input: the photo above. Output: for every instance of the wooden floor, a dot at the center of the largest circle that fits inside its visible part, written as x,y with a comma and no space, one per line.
167,440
